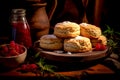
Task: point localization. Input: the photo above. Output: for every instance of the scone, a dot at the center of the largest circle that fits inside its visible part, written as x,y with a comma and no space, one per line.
90,31
77,44
67,29
102,40
51,42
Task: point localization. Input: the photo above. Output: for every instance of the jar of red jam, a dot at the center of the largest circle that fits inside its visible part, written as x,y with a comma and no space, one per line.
20,28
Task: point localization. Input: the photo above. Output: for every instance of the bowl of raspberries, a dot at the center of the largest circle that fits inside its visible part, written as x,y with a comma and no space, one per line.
12,54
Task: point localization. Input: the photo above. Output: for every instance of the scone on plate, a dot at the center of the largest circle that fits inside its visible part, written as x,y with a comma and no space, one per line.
102,40
89,30
51,42
77,44
67,29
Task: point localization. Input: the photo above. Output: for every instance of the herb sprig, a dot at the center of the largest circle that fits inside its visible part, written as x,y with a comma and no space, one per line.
43,68
113,39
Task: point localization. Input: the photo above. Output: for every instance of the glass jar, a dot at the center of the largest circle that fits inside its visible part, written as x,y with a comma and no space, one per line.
20,28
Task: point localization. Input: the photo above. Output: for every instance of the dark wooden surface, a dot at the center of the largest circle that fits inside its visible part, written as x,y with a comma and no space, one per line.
94,70
97,69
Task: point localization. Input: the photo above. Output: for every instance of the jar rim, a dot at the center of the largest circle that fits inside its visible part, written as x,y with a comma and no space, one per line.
18,10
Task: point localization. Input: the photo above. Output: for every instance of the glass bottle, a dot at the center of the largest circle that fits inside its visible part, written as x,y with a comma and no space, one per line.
20,27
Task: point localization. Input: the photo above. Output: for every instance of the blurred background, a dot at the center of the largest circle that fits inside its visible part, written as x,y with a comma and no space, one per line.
98,12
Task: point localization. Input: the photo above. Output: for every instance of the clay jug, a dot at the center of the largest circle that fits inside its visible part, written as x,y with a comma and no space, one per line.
39,20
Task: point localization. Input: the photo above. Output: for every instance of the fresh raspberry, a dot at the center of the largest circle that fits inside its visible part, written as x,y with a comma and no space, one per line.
13,52
21,51
100,47
23,67
33,66
103,47
17,48
28,67
12,44
97,46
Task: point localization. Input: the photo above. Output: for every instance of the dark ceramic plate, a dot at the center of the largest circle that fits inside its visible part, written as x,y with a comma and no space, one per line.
73,57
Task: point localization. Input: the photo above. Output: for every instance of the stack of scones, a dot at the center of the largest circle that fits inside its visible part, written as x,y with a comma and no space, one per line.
72,37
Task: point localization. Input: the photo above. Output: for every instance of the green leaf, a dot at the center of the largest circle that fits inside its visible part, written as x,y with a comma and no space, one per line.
37,55
113,38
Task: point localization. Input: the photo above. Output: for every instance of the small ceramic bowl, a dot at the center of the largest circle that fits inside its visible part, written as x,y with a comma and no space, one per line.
13,61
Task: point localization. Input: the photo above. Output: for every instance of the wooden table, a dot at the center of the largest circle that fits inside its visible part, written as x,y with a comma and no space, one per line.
97,69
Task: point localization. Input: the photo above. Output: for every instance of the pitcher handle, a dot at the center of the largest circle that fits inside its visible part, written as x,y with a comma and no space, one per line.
50,14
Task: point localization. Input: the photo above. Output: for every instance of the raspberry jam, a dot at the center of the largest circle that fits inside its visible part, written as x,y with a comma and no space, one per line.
20,28
21,34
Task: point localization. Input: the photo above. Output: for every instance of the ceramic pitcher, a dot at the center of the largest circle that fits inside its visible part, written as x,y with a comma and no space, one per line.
39,20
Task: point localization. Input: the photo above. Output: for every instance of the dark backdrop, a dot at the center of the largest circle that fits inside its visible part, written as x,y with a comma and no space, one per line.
72,11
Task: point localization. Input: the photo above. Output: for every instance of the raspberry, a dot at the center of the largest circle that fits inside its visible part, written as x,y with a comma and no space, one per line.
33,66
17,48
12,52
97,46
28,67
21,49
103,47
23,67
12,44
100,47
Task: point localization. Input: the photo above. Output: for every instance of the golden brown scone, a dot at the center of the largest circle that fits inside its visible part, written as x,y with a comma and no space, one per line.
77,44
51,42
67,29
102,40
90,31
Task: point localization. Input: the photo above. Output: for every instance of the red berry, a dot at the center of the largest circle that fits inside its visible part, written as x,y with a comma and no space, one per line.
33,66
21,49
103,47
17,48
12,44
97,46
28,67
13,52
23,67
100,47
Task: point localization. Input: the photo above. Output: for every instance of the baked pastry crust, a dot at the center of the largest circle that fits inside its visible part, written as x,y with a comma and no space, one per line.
67,29
90,31
102,40
51,42
77,44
